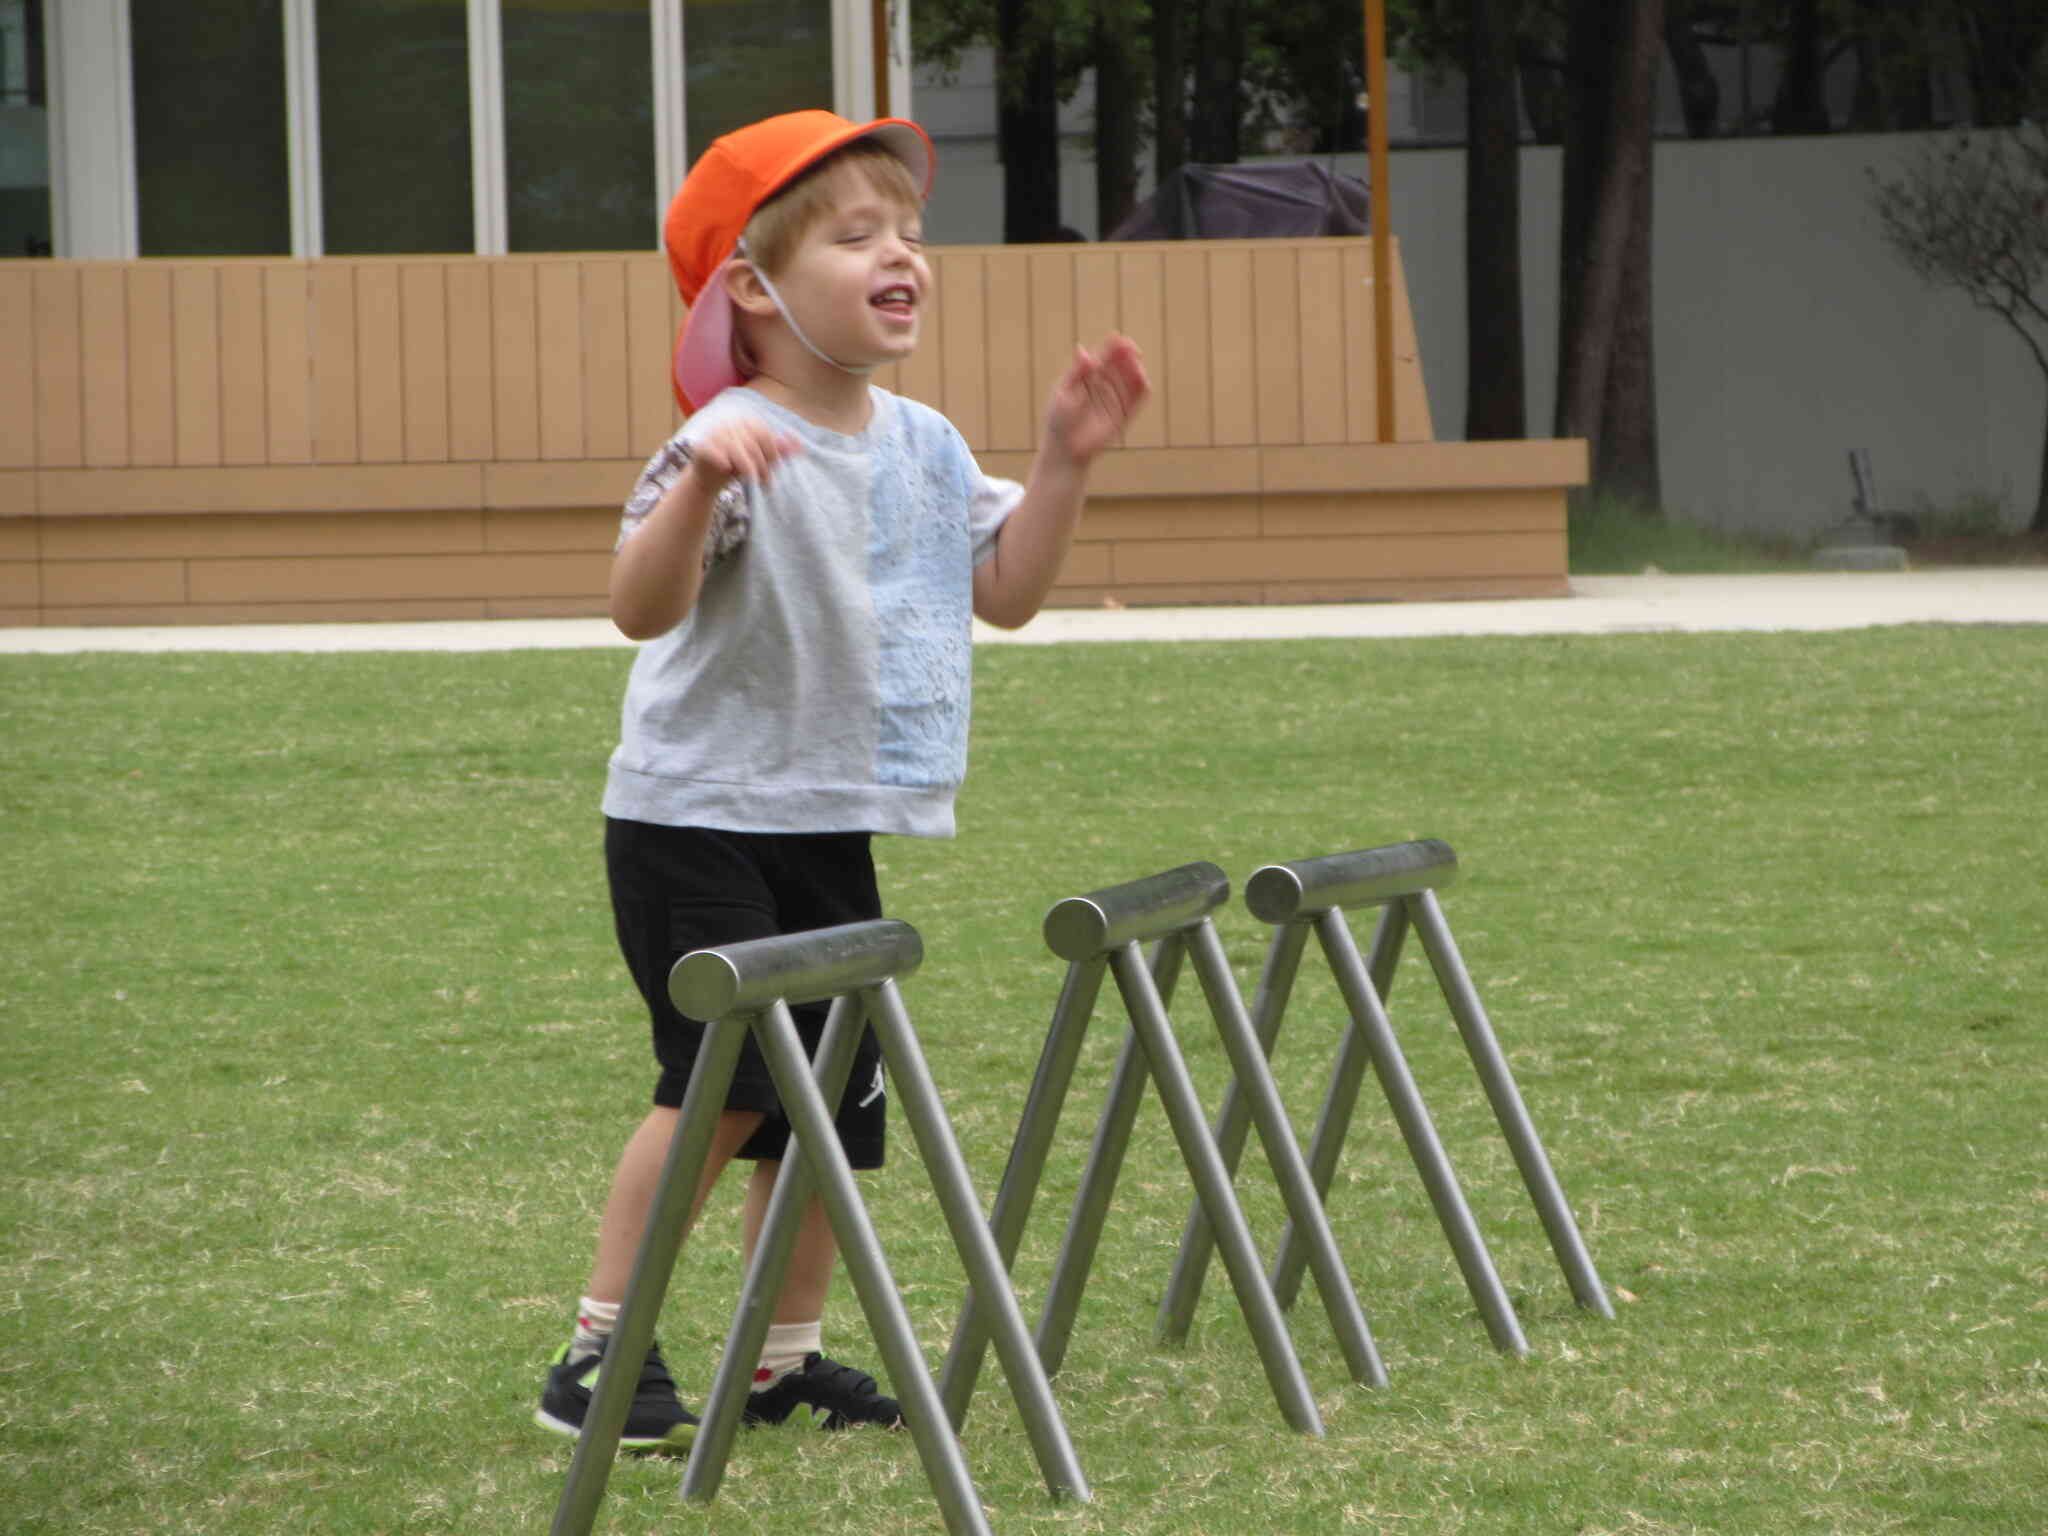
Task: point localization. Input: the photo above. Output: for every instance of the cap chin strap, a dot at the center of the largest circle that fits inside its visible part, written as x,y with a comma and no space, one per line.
796,330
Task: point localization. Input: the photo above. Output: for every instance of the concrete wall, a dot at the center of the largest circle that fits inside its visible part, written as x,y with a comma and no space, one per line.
1787,332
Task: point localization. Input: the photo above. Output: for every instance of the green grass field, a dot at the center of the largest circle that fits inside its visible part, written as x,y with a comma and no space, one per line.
317,1054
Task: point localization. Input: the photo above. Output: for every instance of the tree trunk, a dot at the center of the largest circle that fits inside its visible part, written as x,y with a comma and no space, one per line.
1866,107
1542,90
1116,113
1627,466
1583,107
1802,106
2002,42
2040,522
1699,93
1905,89
1027,123
1495,377
1604,252
1169,92
1219,66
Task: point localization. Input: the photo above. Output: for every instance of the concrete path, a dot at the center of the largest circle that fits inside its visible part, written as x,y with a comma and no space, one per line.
1599,605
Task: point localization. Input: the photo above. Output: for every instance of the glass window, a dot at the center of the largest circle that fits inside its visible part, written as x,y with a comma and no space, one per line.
394,126
24,132
750,59
579,125
211,170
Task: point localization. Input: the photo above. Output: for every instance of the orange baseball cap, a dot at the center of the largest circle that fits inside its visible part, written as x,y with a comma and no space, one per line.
725,188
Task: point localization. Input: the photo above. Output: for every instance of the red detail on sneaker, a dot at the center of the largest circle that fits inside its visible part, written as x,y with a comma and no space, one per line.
762,1373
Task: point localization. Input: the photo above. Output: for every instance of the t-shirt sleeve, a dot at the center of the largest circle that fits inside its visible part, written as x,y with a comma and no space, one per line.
991,501
731,517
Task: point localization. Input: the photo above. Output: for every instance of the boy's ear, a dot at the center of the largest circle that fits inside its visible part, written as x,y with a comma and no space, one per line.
744,287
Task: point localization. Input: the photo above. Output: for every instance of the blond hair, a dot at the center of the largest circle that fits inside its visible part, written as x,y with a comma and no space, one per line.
780,224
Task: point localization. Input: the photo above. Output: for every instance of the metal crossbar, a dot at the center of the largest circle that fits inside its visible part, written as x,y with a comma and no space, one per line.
1314,895
1102,932
751,986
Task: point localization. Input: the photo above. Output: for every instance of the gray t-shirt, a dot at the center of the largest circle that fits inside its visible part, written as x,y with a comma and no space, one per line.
821,682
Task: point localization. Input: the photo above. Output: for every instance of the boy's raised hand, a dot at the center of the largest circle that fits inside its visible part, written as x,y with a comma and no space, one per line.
740,450
1098,395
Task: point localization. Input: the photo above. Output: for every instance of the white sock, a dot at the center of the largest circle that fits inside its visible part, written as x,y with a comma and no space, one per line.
785,1349
595,1321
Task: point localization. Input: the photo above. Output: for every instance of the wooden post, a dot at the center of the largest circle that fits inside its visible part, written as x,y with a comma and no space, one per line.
878,53
1381,215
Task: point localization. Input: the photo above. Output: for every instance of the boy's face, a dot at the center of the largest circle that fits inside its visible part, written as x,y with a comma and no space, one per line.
858,281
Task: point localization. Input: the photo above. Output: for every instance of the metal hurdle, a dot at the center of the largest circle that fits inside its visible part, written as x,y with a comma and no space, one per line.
751,986
1402,879
1103,931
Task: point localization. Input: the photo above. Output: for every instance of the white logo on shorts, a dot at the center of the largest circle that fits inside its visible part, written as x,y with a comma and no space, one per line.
876,1091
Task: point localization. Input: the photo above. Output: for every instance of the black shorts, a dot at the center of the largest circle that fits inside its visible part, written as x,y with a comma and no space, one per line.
675,889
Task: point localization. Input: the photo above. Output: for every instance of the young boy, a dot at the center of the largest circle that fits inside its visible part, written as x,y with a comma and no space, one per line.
802,558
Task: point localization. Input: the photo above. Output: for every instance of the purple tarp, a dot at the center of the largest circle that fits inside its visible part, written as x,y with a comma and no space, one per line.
1236,202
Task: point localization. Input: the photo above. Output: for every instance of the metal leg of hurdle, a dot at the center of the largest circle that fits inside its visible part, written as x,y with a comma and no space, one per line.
1304,1202
1340,1100
1083,1235
756,982
1371,1025
1028,1153
985,1267
1403,879
1019,1186
1233,1121
1105,929
1492,1065
655,1260
794,1187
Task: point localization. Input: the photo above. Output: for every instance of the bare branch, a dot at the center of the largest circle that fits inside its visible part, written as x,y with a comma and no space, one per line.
1972,214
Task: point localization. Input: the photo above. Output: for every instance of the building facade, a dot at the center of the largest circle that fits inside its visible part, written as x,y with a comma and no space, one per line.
385,127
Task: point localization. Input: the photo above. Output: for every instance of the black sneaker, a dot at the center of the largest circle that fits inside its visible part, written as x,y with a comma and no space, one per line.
657,1421
837,1395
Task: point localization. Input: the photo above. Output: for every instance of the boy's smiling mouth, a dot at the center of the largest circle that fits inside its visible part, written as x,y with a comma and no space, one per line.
897,298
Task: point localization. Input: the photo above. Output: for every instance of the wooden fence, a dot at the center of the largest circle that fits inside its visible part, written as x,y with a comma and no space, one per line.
353,438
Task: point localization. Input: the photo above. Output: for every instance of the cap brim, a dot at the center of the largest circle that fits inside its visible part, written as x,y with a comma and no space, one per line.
908,143
704,364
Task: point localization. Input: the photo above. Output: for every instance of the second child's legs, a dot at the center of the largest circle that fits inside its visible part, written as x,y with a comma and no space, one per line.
810,1265
792,1372
793,1375
636,1181
675,890
657,1418
638,1178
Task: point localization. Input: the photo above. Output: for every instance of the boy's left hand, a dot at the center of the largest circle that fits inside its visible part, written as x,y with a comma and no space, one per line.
1098,395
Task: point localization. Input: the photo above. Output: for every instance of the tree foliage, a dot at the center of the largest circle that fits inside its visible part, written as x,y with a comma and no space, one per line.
1900,50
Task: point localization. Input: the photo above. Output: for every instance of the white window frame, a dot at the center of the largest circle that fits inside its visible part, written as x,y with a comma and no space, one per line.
853,58
671,120
487,127
302,127
93,209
